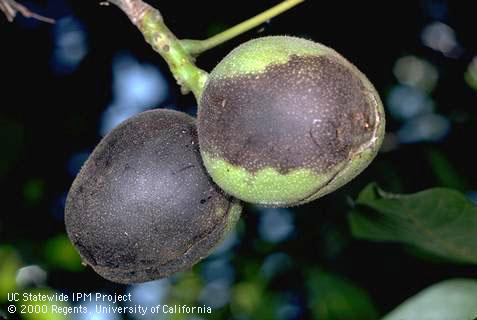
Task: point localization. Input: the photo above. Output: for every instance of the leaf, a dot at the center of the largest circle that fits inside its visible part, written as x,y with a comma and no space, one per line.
252,300
440,221
334,298
9,265
60,253
448,300
445,172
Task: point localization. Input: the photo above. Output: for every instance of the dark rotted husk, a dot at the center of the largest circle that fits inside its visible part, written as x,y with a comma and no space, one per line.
308,112
284,120
143,207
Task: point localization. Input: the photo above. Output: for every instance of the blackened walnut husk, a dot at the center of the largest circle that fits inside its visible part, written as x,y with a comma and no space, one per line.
143,207
283,121
307,113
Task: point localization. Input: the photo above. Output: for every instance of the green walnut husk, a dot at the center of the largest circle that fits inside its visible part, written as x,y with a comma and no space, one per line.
143,207
283,121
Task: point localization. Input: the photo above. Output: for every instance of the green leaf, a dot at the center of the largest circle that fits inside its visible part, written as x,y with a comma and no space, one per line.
448,300
334,298
470,75
60,253
440,221
446,173
187,288
252,300
247,296
9,265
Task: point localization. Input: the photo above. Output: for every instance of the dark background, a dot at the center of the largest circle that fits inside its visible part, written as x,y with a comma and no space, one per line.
54,111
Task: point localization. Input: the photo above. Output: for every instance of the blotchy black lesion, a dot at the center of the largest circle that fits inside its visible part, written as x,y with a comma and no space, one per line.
312,112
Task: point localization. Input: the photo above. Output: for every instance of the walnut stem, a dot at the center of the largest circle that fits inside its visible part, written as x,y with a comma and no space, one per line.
180,54
196,47
149,21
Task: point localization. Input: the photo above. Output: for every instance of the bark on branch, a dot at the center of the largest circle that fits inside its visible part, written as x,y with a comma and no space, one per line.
10,8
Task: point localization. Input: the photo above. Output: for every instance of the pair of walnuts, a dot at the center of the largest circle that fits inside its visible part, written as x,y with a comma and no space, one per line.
281,121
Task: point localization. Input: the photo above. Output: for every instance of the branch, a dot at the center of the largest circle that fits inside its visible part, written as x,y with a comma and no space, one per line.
180,54
10,8
134,9
149,21
196,47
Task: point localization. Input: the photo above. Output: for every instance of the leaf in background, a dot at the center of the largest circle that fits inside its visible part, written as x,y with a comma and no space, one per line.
471,74
247,297
440,221
9,265
33,191
334,298
445,171
60,253
448,300
187,289
252,300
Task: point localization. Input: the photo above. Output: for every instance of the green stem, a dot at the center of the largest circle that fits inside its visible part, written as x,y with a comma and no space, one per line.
149,21
196,47
180,54
181,64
